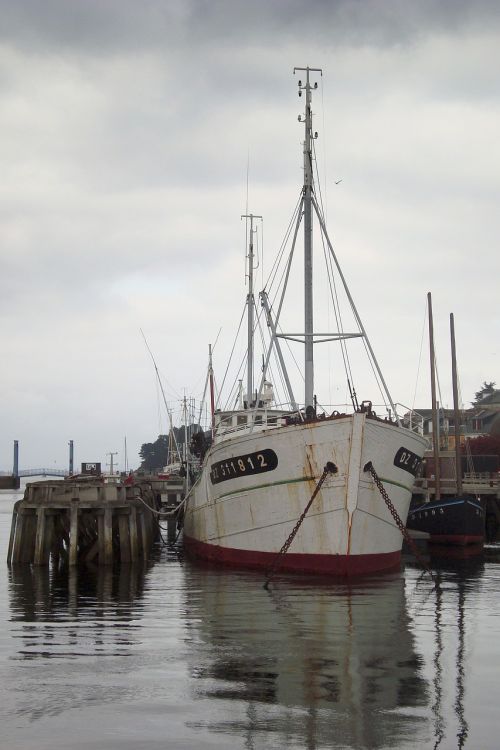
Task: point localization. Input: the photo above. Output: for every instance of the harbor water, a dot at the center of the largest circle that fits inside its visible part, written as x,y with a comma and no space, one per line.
174,654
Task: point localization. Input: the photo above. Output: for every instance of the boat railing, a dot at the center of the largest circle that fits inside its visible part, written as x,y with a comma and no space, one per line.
259,422
410,418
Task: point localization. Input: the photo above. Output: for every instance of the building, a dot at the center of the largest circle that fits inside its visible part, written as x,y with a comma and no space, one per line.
480,420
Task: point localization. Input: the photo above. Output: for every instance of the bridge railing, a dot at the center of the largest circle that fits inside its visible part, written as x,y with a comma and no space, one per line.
39,472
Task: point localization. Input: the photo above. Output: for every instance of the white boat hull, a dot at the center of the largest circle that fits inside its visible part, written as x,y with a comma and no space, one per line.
243,519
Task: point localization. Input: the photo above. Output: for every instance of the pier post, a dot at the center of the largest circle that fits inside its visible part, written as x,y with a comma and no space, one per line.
73,533
15,468
71,458
17,547
143,522
28,553
51,546
40,541
12,533
124,532
108,535
133,533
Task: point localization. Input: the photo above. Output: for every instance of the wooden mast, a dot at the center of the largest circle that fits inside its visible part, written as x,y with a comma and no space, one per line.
435,431
456,414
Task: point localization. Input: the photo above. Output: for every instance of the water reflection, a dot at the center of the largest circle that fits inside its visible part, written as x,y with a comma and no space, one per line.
314,665
459,573
39,593
74,621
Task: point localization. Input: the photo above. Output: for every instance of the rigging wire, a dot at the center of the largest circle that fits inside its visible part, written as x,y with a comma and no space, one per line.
232,350
274,269
338,314
323,140
338,317
419,357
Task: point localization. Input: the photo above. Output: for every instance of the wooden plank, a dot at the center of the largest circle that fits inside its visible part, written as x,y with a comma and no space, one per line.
51,543
123,529
144,535
12,535
100,536
108,536
18,541
73,533
134,544
29,534
40,543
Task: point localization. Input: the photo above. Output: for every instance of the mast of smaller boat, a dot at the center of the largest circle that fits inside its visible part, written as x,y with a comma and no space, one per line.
212,391
308,239
250,310
435,431
456,414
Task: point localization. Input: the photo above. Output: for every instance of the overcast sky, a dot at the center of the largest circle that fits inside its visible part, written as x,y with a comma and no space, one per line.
126,129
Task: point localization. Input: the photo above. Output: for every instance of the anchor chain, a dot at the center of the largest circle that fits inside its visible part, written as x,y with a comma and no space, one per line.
399,523
330,468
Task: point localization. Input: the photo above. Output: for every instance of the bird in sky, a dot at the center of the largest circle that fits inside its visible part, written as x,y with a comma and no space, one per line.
337,182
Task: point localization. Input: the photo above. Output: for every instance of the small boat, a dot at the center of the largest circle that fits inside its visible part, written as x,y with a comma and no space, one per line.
450,519
294,485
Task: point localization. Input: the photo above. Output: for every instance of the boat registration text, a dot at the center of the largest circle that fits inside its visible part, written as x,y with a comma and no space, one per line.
239,466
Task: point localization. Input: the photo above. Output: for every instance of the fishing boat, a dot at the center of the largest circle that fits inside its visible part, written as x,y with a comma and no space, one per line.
295,485
455,518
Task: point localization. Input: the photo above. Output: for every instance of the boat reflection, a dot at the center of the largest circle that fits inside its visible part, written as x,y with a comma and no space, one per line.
317,665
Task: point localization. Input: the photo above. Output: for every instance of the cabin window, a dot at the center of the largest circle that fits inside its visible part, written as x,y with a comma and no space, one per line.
242,419
477,425
272,420
258,419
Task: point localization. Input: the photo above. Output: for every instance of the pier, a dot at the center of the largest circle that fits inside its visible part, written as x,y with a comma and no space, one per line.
85,522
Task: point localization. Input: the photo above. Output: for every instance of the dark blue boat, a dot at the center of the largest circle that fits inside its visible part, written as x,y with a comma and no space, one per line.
450,520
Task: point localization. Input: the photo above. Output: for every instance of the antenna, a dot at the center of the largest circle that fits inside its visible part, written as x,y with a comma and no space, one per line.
250,306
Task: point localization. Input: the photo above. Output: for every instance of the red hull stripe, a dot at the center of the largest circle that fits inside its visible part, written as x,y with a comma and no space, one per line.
458,539
340,565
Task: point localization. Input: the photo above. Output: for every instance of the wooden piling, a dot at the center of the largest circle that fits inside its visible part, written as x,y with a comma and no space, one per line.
18,540
143,525
124,533
108,536
12,532
73,533
83,522
134,544
40,541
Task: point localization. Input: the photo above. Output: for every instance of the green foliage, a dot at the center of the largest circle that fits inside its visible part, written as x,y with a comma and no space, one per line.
486,390
154,455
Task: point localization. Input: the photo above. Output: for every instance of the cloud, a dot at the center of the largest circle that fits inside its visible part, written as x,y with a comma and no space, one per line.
126,131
